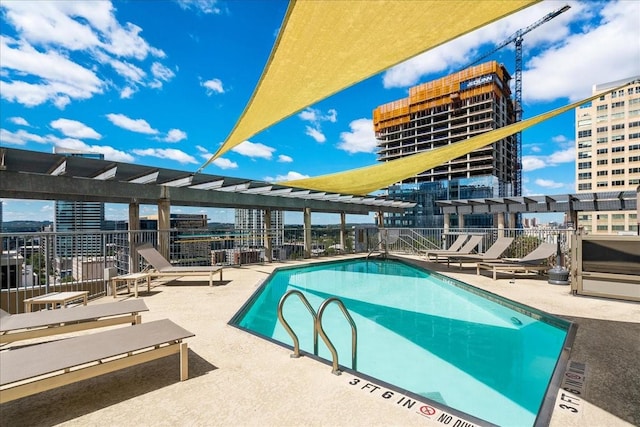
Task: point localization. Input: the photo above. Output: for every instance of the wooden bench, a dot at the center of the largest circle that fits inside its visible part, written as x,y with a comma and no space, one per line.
130,279
16,327
55,298
32,369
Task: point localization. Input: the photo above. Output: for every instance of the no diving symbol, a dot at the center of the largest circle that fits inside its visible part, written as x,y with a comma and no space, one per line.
427,410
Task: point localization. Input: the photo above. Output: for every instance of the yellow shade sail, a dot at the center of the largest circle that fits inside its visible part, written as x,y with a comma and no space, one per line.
365,180
325,46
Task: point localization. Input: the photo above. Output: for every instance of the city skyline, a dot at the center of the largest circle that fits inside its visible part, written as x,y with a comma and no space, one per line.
109,79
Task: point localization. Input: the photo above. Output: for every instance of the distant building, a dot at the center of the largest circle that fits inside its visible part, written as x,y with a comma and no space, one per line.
442,112
74,216
250,226
186,241
608,152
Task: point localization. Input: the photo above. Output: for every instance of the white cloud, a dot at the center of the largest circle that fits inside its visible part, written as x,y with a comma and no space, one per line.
175,135
75,129
223,163
250,149
203,6
284,159
315,134
608,52
161,74
361,138
308,115
110,153
167,153
20,121
129,71
563,156
530,163
59,79
290,176
134,125
560,139
458,53
213,86
127,92
548,183
21,137
60,47
316,117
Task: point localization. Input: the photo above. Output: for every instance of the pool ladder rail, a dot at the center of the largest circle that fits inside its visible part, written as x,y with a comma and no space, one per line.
319,330
382,244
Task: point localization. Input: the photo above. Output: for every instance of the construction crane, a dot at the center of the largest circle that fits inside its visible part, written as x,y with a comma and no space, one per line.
517,38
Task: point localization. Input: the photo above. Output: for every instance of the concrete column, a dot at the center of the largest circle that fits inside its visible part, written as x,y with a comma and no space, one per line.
460,221
268,247
343,230
164,223
307,232
512,220
499,218
380,219
134,237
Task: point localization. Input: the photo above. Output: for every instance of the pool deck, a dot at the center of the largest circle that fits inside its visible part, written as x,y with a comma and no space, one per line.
237,379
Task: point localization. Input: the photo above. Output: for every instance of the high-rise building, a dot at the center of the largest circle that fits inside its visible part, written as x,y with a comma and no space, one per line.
608,152
74,216
442,112
250,224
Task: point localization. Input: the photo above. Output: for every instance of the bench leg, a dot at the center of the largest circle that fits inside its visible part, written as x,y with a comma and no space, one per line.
184,361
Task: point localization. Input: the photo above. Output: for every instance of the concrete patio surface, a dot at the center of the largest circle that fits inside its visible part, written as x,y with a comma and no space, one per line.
238,379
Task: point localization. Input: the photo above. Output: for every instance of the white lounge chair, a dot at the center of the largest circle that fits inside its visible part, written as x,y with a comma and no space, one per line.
32,369
16,327
162,267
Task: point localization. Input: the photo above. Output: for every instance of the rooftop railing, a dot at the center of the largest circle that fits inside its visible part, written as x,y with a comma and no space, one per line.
36,263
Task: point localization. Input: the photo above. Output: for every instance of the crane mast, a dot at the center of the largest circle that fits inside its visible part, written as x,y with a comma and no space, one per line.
517,39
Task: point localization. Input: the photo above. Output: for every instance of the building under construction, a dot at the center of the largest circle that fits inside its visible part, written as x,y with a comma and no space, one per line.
441,112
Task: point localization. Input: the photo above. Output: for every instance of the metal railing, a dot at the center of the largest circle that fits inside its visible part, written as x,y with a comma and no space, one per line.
354,335
287,327
318,329
35,263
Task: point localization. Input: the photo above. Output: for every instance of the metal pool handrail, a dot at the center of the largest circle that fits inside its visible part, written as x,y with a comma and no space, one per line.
285,324
327,341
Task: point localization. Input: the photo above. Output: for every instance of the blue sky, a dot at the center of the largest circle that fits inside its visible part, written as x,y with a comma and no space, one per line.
162,83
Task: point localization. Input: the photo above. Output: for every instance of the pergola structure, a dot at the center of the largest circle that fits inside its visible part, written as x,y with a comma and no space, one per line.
570,204
45,176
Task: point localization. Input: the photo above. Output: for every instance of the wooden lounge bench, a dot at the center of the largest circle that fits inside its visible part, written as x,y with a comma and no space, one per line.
32,369
536,260
163,268
507,267
16,327
55,298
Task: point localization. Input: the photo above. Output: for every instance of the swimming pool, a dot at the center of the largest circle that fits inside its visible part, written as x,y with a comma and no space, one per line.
421,332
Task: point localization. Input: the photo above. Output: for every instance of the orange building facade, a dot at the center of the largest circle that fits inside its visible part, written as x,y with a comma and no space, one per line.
444,111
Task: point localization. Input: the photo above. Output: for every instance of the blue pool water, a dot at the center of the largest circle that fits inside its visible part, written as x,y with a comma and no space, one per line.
421,332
